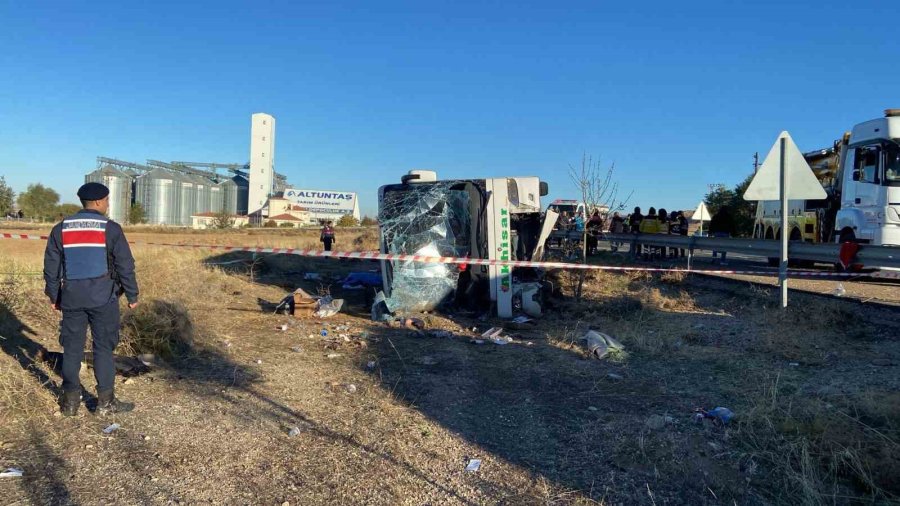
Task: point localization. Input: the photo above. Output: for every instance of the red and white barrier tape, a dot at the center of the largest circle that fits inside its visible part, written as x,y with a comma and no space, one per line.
372,255
22,236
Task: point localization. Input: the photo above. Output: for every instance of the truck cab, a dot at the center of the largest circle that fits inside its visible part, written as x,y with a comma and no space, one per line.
870,197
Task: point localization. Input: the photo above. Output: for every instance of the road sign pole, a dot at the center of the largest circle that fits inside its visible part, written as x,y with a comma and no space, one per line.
783,266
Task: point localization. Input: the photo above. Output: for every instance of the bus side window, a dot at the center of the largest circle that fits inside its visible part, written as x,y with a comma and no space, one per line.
867,163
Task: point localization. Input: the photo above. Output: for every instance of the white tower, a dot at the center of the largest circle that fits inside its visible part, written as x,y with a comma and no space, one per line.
262,160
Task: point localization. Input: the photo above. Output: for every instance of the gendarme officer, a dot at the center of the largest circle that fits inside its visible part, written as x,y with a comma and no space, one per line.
87,265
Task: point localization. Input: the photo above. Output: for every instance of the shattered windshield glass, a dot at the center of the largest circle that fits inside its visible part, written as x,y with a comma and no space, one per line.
430,220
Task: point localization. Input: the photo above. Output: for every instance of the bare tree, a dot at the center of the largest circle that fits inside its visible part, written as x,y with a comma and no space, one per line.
599,191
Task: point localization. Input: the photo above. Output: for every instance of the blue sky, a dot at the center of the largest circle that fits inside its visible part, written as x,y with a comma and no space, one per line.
677,94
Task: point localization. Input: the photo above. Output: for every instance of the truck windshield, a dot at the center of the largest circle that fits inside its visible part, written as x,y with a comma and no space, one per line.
892,164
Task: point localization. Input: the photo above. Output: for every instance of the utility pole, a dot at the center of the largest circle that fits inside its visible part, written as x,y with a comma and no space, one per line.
755,162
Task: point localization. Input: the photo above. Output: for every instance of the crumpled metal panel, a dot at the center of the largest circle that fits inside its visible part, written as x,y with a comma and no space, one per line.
429,220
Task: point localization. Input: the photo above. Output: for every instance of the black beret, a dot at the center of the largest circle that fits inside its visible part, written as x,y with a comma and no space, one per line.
92,191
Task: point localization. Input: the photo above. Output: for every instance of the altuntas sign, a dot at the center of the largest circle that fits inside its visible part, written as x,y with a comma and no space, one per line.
325,204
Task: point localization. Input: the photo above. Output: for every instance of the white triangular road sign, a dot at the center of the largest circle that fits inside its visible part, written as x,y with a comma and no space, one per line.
702,213
802,183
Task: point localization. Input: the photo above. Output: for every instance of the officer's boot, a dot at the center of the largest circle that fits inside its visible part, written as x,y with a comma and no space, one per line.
70,402
107,403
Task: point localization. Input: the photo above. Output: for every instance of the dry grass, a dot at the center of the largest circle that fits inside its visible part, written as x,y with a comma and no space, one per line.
824,450
216,417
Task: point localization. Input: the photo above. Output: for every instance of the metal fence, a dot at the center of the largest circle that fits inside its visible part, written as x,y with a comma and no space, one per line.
867,255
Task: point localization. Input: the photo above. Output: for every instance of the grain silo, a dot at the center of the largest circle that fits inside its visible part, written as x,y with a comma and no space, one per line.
216,198
157,192
119,185
187,199
235,193
202,185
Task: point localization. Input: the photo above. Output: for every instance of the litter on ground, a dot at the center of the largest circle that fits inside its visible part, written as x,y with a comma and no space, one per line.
599,344
11,472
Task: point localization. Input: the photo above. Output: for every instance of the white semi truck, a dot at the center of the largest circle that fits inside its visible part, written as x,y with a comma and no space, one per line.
861,177
494,219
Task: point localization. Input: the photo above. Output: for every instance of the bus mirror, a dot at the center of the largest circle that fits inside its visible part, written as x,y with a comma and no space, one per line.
856,175
545,189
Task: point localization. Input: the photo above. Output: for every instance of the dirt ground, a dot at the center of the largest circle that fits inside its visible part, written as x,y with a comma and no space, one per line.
388,415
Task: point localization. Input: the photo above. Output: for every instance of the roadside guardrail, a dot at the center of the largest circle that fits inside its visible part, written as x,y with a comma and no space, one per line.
867,255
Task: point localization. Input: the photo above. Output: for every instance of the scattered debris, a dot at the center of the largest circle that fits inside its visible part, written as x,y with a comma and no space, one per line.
328,307
282,327
361,280
350,388
112,428
11,472
719,415
839,290
297,349
333,355
370,364
793,364
521,323
473,465
303,304
414,323
882,362
615,377
294,431
312,276
380,311
148,359
478,341
593,408
600,344
427,360
258,361
492,332
446,334
324,333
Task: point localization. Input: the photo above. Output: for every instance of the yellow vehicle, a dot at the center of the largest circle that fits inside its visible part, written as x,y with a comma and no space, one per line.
809,220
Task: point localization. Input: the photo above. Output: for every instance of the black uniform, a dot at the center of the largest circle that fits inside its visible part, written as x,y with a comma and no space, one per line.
87,265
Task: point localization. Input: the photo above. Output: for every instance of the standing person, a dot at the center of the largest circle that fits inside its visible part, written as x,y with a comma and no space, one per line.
562,224
634,224
595,228
662,216
616,226
649,225
327,236
722,225
87,266
675,228
635,220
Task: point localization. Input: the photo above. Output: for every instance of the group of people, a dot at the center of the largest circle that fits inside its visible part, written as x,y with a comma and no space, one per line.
658,222
654,222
